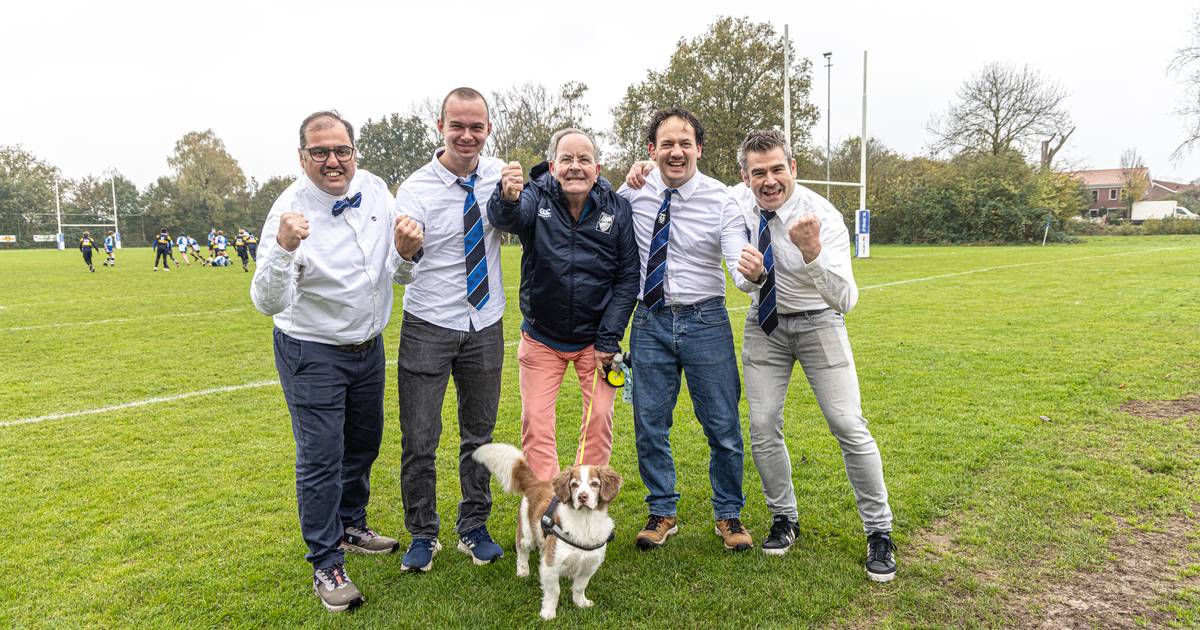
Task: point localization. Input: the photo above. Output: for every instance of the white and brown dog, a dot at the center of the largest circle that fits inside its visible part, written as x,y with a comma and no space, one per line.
565,519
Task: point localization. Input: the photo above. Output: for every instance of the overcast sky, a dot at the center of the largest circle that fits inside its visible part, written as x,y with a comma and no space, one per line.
94,85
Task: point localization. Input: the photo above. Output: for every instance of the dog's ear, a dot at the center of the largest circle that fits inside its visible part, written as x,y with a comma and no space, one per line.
562,486
610,483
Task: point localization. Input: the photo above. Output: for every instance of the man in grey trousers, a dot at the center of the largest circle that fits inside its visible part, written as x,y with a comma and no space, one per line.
453,327
797,315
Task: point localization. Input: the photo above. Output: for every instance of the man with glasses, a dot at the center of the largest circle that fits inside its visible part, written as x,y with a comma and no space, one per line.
331,249
452,327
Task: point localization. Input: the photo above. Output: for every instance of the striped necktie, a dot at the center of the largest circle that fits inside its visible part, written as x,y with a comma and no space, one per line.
656,262
475,253
768,318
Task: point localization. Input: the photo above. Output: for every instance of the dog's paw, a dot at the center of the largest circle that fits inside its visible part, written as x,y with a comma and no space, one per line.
522,570
583,602
548,614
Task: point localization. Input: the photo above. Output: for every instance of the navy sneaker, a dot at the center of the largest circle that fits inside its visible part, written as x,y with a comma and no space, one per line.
881,559
419,556
478,544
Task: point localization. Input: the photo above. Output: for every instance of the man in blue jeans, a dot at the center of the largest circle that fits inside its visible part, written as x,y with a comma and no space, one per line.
686,224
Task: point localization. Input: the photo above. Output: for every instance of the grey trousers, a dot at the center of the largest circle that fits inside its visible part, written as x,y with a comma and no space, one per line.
818,341
429,355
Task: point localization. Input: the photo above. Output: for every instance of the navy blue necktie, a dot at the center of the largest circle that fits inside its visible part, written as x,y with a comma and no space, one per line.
340,205
768,318
656,262
476,254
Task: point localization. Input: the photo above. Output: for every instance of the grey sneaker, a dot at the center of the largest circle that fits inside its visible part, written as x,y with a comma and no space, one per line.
365,540
335,589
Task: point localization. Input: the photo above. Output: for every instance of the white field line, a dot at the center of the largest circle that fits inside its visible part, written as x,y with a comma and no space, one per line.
139,403
159,399
993,268
122,319
509,344
1024,264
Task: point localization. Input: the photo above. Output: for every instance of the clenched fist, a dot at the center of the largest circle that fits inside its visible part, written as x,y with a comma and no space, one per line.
293,228
750,264
805,233
512,181
409,236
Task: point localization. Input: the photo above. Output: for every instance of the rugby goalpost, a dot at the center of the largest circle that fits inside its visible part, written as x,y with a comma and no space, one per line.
114,225
862,217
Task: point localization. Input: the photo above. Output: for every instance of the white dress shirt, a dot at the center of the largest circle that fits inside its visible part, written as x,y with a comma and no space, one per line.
706,226
438,291
827,281
336,288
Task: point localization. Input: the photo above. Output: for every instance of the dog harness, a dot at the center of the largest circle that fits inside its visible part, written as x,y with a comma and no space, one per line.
550,528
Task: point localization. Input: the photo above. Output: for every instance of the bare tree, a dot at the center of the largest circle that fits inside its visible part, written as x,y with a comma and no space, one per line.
1184,64
525,116
1001,109
1135,177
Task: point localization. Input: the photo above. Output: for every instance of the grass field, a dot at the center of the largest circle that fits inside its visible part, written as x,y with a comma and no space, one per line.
181,512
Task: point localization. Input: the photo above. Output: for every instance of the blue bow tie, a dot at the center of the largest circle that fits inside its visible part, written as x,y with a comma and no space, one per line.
340,205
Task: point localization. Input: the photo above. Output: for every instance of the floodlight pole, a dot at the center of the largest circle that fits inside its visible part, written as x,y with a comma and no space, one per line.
58,214
787,91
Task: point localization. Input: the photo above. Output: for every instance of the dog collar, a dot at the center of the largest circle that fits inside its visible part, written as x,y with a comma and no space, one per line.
550,528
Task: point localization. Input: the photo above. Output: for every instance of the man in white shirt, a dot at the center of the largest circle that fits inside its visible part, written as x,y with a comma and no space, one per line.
452,327
797,315
686,224
331,253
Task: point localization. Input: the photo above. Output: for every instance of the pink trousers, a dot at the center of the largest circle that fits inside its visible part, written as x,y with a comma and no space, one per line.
542,369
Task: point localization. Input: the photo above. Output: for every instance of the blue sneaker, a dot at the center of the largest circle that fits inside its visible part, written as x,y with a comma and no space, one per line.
478,544
419,556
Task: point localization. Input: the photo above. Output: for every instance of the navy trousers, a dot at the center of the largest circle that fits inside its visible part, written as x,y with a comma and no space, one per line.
336,401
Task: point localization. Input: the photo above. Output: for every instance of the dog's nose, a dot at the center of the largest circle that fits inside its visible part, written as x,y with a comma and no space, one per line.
583,497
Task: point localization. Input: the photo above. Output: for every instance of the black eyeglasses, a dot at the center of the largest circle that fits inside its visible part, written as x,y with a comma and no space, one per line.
343,153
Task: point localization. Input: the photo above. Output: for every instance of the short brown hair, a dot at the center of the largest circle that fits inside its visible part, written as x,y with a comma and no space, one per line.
466,94
762,141
315,116
662,115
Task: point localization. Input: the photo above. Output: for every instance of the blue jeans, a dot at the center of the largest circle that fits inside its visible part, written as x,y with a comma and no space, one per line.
695,339
336,402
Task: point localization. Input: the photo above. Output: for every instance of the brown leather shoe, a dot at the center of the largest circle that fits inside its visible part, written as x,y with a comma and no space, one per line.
657,530
734,535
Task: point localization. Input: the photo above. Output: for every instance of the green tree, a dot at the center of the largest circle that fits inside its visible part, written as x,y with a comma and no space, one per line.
395,146
210,186
26,194
92,198
264,197
731,78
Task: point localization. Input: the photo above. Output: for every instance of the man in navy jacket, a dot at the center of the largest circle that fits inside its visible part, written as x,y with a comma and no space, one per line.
579,284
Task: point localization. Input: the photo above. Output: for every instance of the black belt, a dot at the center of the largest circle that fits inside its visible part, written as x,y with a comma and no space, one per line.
358,347
804,313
